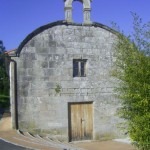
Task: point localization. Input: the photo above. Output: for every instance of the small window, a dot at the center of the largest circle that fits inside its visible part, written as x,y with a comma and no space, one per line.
79,67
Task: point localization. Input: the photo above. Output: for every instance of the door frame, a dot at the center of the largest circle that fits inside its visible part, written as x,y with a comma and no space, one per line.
69,117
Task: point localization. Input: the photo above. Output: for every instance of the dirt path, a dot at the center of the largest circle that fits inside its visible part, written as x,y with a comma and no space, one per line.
5,122
105,145
5,127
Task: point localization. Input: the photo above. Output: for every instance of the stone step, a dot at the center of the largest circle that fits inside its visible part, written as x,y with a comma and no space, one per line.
48,141
28,138
17,139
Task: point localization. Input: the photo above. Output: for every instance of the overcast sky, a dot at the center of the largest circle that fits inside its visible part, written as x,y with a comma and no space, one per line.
18,18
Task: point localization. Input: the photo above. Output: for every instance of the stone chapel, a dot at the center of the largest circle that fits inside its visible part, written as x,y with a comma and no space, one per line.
60,80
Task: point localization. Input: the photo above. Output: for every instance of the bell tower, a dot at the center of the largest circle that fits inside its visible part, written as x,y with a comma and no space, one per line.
86,10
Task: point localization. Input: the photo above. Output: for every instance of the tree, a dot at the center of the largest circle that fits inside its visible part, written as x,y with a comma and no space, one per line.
4,79
132,68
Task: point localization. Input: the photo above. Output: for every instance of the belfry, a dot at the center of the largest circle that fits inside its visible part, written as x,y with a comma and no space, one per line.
86,10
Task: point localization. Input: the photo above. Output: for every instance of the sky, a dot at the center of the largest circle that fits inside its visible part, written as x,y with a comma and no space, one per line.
18,18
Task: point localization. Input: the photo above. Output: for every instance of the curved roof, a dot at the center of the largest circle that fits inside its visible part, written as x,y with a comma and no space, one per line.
61,22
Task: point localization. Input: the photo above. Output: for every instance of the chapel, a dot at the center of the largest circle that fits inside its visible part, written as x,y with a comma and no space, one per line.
60,79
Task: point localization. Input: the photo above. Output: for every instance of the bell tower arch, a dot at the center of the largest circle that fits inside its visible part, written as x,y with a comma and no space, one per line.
86,10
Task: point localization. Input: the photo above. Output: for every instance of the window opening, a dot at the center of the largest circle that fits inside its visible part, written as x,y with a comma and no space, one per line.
79,67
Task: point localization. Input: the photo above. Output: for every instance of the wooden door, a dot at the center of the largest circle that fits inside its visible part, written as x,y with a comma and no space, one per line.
80,121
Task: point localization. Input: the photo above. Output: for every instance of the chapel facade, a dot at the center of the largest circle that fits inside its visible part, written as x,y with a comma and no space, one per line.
60,80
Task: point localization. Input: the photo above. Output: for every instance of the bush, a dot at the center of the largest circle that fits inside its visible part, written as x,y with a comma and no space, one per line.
4,101
132,68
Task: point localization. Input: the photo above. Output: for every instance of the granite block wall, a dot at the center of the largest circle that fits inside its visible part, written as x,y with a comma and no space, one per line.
45,82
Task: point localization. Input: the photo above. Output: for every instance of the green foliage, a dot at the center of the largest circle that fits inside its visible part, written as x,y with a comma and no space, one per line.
132,68
58,88
4,79
4,101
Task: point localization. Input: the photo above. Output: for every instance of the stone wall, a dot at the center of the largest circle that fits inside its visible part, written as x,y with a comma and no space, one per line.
45,66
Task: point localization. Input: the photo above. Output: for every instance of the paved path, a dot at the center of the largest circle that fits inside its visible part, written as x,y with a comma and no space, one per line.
7,146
